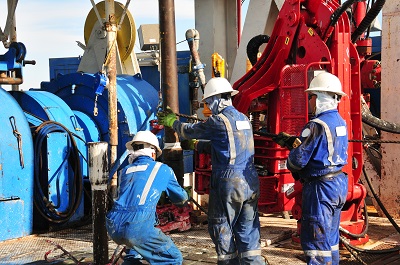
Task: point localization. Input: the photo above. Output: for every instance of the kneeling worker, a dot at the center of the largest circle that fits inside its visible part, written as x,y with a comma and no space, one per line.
132,219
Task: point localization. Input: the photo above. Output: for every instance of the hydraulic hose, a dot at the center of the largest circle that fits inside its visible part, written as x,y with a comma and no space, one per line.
253,47
387,214
355,250
368,19
43,203
335,17
375,122
364,232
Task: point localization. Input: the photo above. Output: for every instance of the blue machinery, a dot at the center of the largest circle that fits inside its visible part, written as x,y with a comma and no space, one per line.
43,153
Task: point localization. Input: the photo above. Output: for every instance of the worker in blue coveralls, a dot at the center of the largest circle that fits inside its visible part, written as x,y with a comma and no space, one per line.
318,163
132,218
233,221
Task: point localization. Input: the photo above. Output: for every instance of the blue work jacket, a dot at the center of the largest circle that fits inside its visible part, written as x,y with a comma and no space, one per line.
139,190
230,138
324,146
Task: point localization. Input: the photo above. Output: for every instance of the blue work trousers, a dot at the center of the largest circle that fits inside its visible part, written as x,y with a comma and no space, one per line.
233,221
150,242
322,202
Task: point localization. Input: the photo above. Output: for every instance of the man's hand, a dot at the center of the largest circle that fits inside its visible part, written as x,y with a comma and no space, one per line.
189,144
166,117
286,140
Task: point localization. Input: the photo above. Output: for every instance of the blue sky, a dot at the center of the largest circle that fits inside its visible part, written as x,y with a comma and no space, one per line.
50,29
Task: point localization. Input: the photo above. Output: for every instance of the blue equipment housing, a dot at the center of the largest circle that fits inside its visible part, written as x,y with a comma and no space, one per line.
137,103
16,170
60,156
43,153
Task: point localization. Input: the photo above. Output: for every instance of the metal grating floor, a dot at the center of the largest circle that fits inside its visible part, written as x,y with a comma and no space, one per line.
195,245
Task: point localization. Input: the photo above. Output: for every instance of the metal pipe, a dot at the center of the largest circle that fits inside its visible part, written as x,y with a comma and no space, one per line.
98,176
197,77
12,4
11,80
96,12
173,154
239,20
111,67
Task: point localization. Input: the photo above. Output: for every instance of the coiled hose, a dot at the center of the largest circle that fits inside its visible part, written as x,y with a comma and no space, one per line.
43,203
253,47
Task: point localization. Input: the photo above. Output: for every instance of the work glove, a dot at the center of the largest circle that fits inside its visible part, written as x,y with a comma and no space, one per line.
286,140
189,144
188,190
166,117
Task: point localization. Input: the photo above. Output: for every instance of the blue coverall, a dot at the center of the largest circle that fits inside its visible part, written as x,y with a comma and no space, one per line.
233,220
132,219
318,162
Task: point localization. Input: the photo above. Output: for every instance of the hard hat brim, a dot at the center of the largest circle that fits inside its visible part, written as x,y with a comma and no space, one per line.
234,92
322,89
128,146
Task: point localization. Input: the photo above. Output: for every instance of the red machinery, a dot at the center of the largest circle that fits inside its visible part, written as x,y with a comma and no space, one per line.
309,36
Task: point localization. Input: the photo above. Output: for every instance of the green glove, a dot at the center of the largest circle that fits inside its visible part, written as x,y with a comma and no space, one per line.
166,117
189,144
286,140
188,190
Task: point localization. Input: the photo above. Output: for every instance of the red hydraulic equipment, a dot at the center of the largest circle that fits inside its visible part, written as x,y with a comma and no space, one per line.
309,36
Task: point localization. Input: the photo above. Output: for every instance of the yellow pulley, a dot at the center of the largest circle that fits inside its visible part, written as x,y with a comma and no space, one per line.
126,34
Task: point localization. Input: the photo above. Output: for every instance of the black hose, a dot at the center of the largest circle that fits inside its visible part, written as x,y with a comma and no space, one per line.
378,200
368,19
375,122
43,203
253,46
338,12
352,248
364,232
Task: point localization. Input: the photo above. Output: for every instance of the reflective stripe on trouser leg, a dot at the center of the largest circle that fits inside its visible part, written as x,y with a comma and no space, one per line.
250,253
227,256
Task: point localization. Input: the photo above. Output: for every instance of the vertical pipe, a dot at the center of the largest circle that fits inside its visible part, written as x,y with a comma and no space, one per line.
98,176
239,20
111,66
13,31
173,154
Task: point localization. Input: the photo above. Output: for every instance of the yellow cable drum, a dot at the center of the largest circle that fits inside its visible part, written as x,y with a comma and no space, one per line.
126,34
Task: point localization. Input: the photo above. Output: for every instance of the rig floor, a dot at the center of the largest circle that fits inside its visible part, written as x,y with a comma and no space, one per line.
196,246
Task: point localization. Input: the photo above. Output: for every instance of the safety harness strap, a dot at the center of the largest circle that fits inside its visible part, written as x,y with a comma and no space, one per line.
149,183
231,138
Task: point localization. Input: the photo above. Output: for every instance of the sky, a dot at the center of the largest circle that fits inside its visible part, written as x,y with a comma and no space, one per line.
50,29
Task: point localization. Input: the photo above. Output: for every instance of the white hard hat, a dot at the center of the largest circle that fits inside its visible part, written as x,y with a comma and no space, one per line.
326,82
145,137
218,85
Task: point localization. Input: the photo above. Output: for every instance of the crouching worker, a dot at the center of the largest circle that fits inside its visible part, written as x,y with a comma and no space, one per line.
132,219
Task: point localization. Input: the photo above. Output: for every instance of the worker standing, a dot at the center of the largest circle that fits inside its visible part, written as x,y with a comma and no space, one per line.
132,219
233,221
318,163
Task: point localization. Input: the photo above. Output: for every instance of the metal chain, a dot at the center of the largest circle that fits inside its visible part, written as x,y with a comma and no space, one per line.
189,117
351,140
375,141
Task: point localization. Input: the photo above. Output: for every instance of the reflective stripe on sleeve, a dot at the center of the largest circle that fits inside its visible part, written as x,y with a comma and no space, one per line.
231,138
